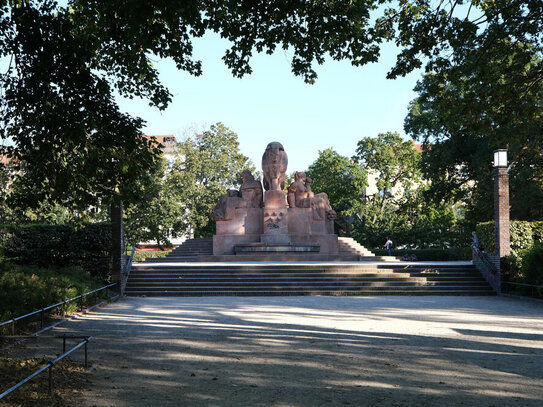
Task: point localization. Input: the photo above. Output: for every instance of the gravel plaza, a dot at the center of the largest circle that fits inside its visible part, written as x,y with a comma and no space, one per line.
313,351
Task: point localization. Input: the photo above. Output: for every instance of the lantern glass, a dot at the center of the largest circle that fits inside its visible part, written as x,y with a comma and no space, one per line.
500,158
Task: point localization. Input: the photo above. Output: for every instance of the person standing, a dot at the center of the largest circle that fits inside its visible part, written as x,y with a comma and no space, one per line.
474,241
388,246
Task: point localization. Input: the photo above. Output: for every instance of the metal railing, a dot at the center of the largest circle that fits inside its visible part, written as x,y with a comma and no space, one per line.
126,270
483,258
43,310
52,363
532,287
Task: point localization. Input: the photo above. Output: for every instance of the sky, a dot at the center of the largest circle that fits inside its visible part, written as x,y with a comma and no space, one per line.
272,104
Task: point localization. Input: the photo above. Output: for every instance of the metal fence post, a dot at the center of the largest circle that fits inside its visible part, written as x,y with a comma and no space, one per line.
86,342
50,379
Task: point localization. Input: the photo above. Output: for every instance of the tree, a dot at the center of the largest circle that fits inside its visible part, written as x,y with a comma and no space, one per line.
462,118
57,106
394,162
399,207
342,180
208,164
155,216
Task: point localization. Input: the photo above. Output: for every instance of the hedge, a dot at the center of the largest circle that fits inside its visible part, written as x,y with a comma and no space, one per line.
524,263
523,235
87,246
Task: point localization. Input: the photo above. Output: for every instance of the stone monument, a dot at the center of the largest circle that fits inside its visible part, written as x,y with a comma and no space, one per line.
266,220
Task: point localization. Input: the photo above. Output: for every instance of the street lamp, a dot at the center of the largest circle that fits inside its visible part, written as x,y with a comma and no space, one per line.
500,158
501,203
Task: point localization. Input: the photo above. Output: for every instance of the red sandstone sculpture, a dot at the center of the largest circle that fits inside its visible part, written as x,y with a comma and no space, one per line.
274,166
251,190
298,194
252,220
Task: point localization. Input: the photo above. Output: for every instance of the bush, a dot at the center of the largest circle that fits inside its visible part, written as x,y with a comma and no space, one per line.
462,253
511,267
141,256
28,288
523,235
87,246
532,265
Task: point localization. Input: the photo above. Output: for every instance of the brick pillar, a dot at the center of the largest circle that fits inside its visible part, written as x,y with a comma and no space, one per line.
501,212
116,214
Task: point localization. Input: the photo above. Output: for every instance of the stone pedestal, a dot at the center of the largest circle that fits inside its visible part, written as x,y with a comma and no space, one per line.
275,218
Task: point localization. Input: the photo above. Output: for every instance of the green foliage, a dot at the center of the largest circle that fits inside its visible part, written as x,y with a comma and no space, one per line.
155,215
343,181
511,267
59,246
400,209
141,256
394,161
208,164
463,131
532,265
27,288
522,235
526,251
64,61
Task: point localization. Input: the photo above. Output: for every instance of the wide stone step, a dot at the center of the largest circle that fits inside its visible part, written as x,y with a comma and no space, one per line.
378,285
169,268
391,278
330,277
313,292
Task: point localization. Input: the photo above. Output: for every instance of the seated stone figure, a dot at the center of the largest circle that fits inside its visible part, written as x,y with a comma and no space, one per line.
300,195
224,210
297,196
320,203
251,190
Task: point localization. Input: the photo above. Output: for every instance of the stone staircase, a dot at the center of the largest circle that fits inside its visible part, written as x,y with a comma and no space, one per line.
349,245
266,279
191,249
188,251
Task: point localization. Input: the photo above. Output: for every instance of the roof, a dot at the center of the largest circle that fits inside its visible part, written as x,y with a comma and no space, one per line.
168,141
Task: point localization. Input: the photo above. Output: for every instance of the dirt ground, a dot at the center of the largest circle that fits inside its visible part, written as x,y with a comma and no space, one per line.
310,351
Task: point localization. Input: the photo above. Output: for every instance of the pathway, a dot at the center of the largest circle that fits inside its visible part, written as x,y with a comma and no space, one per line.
315,351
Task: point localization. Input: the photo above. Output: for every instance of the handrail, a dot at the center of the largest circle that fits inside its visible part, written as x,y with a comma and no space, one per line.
126,271
79,297
532,286
483,257
523,284
49,366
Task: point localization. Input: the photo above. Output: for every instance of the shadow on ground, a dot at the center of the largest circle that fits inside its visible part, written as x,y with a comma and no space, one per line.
313,351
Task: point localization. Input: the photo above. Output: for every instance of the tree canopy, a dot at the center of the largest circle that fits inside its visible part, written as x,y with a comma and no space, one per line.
63,63
400,208
465,115
209,163
343,181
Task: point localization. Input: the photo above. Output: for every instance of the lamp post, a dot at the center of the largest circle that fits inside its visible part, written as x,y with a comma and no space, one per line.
501,204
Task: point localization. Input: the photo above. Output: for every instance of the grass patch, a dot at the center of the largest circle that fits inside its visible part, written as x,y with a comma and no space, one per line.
67,382
141,256
28,288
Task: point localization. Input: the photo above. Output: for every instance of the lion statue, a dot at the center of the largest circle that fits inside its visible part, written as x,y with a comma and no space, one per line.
274,166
